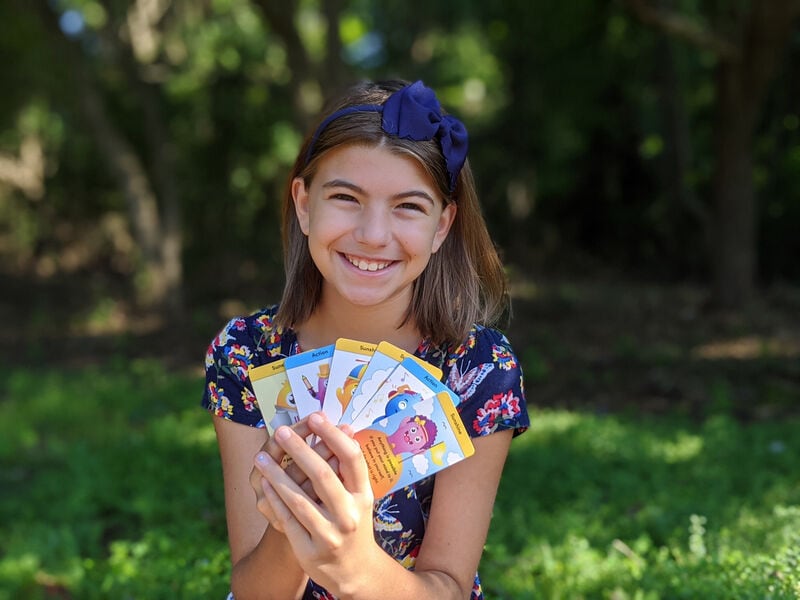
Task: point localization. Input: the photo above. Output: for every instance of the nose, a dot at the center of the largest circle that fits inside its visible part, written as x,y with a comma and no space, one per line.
374,227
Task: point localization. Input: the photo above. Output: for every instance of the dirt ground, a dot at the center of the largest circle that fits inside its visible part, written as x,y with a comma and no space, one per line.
606,346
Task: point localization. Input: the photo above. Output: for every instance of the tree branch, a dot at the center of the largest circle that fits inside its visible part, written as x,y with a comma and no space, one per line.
684,28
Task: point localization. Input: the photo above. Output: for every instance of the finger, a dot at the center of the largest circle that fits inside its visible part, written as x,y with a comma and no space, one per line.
275,450
297,474
265,506
347,429
352,466
308,487
294,510
324,477
283,519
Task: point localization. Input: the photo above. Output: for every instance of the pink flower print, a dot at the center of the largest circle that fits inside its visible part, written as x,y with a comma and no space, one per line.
501,408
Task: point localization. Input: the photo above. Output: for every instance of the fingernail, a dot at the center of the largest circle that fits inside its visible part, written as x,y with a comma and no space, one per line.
283,433
316,419
262,458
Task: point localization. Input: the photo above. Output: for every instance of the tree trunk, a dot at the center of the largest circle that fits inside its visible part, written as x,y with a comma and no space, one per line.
741,85
159,280
748,53
734,225
677,132
128,170
308,76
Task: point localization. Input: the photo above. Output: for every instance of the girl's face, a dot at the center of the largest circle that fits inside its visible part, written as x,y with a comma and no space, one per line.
373,219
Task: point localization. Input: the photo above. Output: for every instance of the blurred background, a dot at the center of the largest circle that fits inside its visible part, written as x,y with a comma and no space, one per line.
639,167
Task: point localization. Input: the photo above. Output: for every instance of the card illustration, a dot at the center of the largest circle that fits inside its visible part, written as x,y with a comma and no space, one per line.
274,394
418,441
403,416
385,359
408,383
349,362
308,375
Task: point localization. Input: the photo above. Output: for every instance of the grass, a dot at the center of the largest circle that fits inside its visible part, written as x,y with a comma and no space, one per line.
110,487
611,507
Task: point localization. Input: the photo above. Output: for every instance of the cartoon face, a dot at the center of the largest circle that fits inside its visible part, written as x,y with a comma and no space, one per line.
285,397
399,399
413,435
345,393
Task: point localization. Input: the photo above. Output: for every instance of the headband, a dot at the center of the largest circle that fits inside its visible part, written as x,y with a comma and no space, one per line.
413,113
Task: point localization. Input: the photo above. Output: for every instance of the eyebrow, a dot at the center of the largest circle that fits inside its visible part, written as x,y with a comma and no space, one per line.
352,186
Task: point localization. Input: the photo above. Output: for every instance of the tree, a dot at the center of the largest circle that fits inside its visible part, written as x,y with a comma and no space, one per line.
152,200
748,40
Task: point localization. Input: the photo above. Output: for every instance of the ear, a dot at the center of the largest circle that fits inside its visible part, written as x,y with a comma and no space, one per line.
300,198
443,227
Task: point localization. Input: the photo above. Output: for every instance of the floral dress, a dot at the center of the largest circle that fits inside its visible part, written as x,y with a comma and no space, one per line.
482,370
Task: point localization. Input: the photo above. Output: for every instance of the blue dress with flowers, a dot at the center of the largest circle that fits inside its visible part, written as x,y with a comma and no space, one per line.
482,370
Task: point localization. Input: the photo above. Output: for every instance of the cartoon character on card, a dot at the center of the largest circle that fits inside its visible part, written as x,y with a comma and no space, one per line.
322,383
413,435
399,399
285,407
345,393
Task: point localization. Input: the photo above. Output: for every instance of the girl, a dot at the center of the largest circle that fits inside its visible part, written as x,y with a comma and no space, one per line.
383,240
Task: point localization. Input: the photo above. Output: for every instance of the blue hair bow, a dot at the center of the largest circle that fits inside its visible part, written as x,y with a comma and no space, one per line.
414,113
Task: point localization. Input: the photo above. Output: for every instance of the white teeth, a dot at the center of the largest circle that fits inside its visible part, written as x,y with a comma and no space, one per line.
364,265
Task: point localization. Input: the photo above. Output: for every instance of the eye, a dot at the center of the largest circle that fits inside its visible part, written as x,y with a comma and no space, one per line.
417,440
412,430
413,206
343,196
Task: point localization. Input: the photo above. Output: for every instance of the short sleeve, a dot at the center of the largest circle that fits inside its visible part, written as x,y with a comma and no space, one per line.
228,392
486,375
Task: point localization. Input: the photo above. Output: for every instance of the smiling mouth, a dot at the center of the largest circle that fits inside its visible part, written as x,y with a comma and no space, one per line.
367,265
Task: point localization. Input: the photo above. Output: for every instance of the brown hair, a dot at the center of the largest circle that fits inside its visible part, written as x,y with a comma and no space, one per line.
462,284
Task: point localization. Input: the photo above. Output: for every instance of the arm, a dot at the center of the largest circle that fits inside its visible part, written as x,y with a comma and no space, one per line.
453,543
333,540
263,563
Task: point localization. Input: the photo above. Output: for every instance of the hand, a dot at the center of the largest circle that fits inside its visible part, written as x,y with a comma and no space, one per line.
272,449
330,531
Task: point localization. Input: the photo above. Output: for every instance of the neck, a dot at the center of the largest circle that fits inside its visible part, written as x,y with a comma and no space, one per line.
367,324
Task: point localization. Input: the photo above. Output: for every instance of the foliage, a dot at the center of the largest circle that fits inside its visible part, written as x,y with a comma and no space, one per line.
576,112
114,483
112,488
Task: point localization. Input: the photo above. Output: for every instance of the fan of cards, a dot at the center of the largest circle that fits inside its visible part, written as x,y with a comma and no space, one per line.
404,417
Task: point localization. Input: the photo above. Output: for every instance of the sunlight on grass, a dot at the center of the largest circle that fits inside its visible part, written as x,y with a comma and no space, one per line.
748,348
606,506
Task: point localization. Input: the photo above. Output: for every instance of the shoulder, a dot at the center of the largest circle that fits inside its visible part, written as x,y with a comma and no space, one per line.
244,342
485,373
483,344
254,334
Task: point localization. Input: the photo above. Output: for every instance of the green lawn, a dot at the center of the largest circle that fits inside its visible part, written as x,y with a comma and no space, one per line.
110,488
